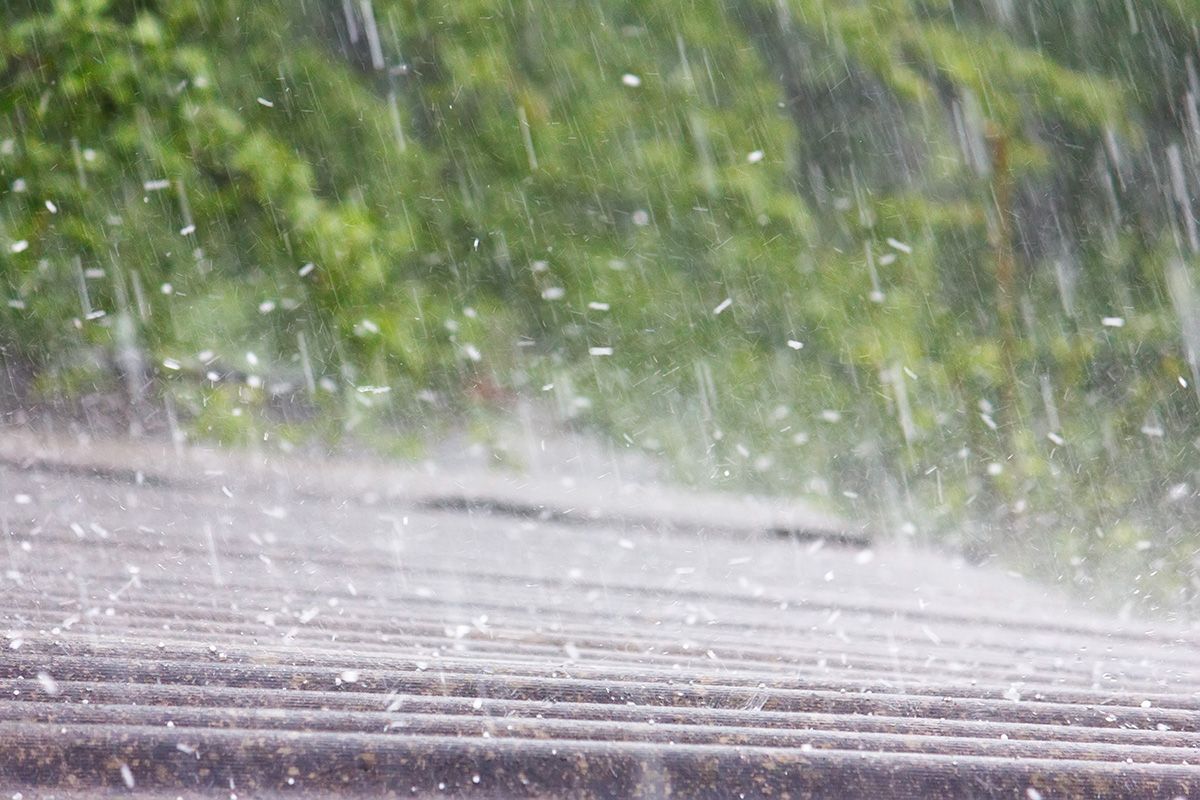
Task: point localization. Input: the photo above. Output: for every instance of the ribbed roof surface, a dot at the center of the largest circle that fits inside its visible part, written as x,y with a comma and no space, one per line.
205,626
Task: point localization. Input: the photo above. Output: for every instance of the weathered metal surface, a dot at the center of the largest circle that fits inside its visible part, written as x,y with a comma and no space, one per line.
200,625
566,499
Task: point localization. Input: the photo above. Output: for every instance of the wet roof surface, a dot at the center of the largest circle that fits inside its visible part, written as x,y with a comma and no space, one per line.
188,625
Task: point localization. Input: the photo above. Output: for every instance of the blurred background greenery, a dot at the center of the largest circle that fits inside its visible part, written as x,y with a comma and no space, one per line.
929,262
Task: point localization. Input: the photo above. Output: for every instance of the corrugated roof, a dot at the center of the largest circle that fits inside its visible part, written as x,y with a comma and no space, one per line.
199,624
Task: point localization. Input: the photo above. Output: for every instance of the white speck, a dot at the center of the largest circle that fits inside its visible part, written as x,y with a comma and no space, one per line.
554,293
755,157
266,306
472,352
1033,794
187,230
1013,693
595,305
830,415
1113,322
865,557
51,207
349,676
366,326
887,259
127,776
795,345
251,359
156,185
829,576
167,288
306,269
898,245
262,101
571,650
1183,381
48,684
995,468
19,246
1153,431
724,304
641,218
1054,437
171,363
19,185
600,351
22,499
17,304
631,80
626,544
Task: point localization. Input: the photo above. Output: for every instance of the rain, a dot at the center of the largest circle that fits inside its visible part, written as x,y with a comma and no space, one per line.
683,388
